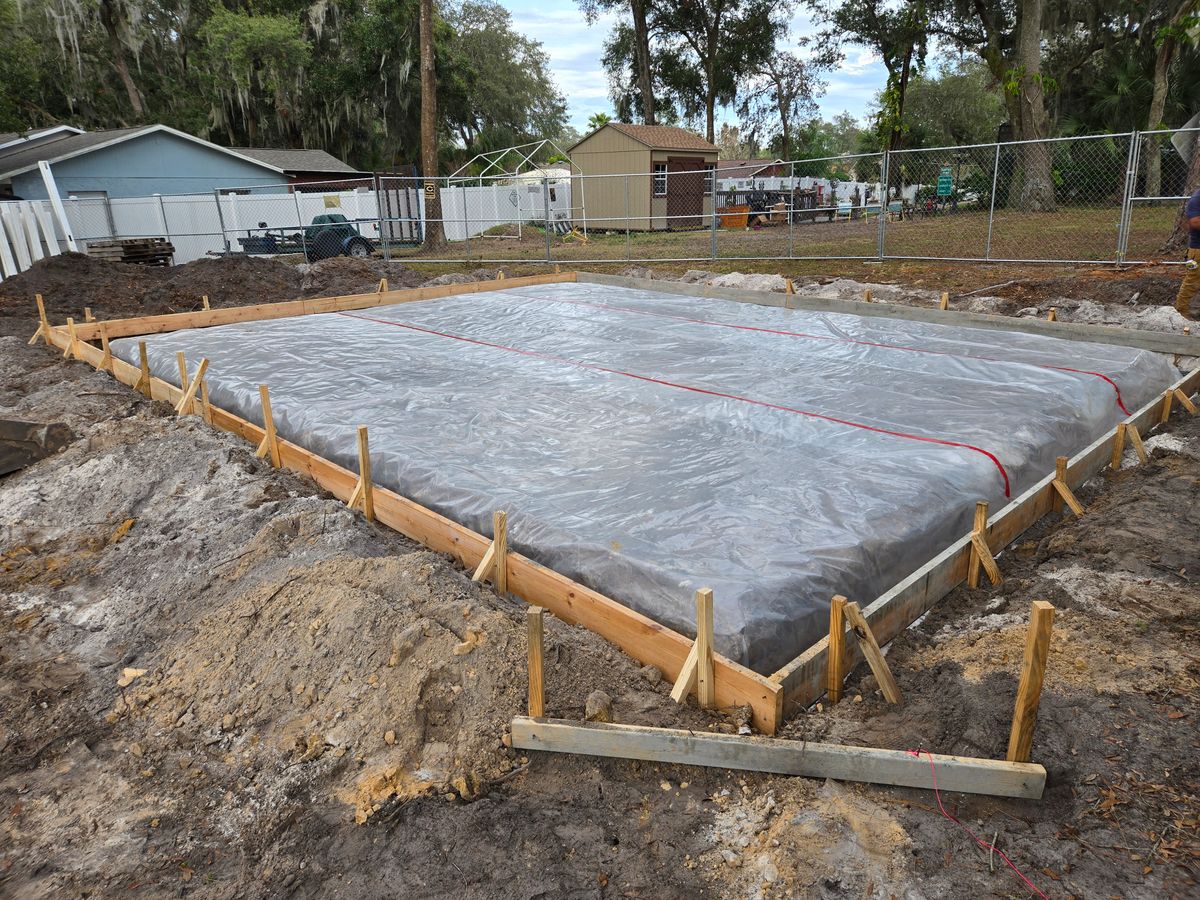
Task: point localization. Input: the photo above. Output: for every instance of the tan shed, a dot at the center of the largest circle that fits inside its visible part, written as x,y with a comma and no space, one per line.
652,177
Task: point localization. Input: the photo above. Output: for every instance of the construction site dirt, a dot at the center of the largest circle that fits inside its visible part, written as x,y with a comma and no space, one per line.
218,681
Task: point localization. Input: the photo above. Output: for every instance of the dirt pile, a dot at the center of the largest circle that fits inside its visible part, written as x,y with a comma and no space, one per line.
229,281
349,275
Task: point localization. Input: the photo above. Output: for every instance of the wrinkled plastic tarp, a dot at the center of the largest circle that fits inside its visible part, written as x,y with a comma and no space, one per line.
649,444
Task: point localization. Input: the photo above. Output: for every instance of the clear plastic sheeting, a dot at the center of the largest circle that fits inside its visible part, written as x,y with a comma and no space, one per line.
648,444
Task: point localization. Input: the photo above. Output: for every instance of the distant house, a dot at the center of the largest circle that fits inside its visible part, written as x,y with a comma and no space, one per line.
147,160
304,166
659,177
752,168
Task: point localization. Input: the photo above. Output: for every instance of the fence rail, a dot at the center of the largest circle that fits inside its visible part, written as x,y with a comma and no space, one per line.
1111,198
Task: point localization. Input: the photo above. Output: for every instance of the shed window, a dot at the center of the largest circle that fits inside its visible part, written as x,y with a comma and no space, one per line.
660,179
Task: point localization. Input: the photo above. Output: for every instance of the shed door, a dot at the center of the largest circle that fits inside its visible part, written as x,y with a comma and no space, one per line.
685,191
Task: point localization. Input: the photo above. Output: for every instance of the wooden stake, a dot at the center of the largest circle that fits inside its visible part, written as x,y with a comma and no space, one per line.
867,295
1135,438
106,363
1185,401
500,532
204,302
45,323
363,493
87,314
1063,490
557,268
1052,316
383,285
206,408
835,659
270,442
1118,451
1029,689
1167,401
181,360
69,350
535,617
687,676
874,656
981,553
499,274
186,403
705,690
143,382
945,304
495,558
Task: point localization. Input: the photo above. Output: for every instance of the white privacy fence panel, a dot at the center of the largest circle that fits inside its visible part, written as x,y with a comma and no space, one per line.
27,234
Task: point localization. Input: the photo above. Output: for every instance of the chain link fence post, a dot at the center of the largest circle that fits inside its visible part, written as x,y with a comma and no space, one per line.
987,250
712,253
884,199
221,220
1131,180
546,205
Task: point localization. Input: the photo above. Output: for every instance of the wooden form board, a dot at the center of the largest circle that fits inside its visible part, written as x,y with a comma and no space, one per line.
1159,342
867,764
636,634
263,311
804,678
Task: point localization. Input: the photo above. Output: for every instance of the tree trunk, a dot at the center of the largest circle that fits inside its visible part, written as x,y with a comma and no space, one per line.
641,53
1158,100
1032,123
1178,239
435,235
117,49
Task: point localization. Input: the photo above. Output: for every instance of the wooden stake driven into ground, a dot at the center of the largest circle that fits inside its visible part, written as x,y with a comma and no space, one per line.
1172,395
43,329
1065,494
87,314
106,363
1052,316
874,656
143,382
1135,438
1118,448
364,492
837,648
181,361
981,552
495,558
1029,689
945,304
69,350
204,302
270,441
697,669
186,403
535,617
382,285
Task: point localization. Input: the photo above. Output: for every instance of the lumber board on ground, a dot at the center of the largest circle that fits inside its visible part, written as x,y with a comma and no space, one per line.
867,764
803,679
1160,342
143,325
640,636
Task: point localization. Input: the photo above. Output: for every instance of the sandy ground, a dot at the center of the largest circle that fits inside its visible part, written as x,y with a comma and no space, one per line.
215,681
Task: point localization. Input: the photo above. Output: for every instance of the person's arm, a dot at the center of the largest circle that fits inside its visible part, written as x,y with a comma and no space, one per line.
1192,211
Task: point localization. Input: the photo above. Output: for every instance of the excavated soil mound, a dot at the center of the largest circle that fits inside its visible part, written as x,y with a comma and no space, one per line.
347,275
72,281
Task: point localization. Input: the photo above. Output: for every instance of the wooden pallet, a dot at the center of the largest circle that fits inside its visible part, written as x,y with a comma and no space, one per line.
134,251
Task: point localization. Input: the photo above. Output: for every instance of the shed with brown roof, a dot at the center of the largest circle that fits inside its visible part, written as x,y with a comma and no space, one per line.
644,177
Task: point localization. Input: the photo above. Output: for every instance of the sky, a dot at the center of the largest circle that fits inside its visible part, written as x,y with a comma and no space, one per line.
575,48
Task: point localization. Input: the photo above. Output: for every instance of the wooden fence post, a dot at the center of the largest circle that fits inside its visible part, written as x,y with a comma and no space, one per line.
1029,689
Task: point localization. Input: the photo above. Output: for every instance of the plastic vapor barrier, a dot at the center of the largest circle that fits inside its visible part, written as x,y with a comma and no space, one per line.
649,444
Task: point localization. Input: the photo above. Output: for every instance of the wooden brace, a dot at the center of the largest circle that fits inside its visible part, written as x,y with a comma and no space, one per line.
495,558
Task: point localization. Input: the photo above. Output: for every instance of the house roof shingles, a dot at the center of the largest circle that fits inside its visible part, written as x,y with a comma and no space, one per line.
298,160
20,157
662,137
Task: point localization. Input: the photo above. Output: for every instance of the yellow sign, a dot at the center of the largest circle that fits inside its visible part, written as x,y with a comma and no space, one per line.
333,202
430,188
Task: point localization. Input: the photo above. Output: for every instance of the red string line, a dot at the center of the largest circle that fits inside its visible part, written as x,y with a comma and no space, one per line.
842,340
982,843
697,390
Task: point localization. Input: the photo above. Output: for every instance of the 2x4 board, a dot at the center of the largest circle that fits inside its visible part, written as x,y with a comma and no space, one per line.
551,377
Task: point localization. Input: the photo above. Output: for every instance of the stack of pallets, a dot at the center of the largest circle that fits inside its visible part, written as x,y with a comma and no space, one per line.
136,251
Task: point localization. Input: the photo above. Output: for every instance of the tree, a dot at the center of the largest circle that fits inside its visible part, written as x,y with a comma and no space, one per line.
709,46
638,40
435,235
783,92
1180,29
898,33
598,120
955,106
1007,35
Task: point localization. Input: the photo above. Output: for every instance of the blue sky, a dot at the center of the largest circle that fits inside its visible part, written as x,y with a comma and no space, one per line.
574,48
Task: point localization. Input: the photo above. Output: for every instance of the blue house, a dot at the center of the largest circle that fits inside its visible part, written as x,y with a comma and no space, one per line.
129,162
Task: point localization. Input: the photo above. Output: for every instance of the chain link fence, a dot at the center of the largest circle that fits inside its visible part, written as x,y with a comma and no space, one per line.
1096,199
